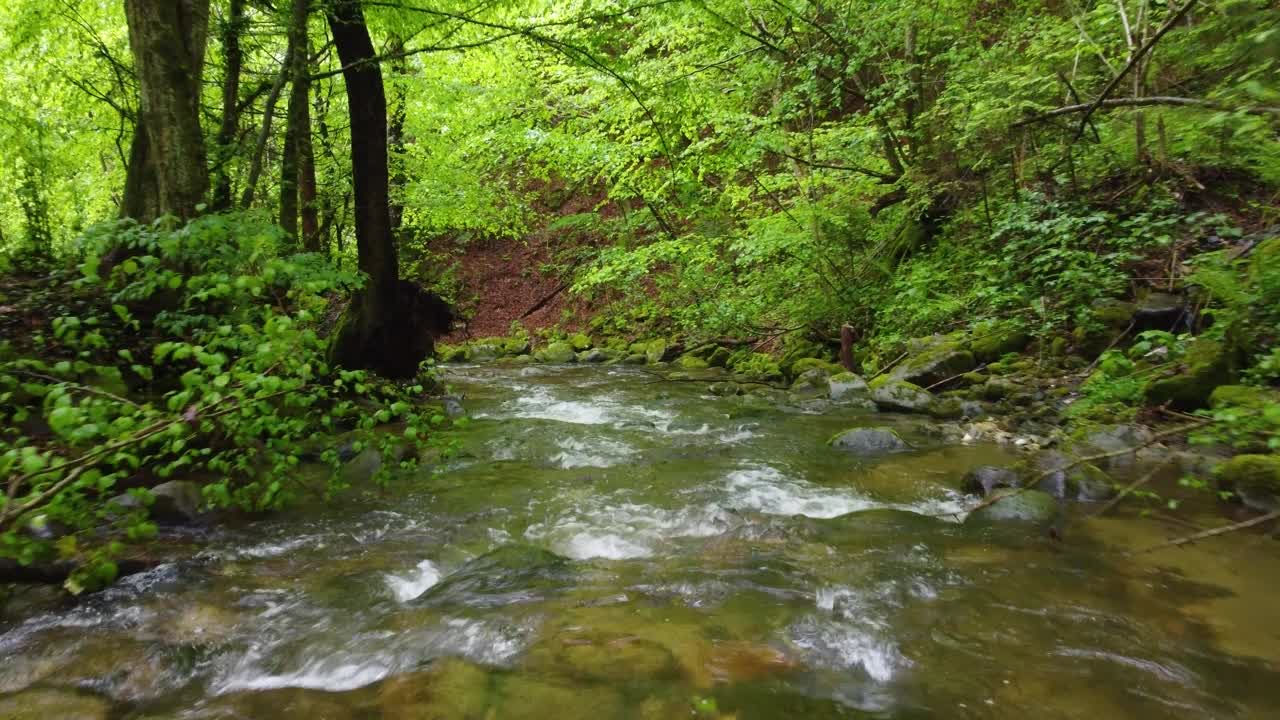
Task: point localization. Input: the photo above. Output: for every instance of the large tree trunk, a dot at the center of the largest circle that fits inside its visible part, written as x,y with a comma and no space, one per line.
233,61
389,325
168,172
294,124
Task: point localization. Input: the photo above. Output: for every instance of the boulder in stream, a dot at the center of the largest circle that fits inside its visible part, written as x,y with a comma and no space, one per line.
869,442
939,363
1255,479
846,386
176,501
1016,505
986,478
901,396
556,352
47,704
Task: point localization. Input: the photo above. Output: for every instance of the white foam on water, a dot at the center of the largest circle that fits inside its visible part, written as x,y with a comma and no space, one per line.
539,403
768,490
741,434
844,645
379,655
598,453
597,529
410,585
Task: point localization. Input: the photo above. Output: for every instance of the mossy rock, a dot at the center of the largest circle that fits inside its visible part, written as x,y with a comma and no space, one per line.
724,389
523,697
1207,365
556,352
635,359
580,342
974,378
803,365
486,350
950,408
516,346
901,396
692,362
594,355
935,365
451,353
994,343
999,389
600,656
656,351
719,357
1247,397
522,359
1255,479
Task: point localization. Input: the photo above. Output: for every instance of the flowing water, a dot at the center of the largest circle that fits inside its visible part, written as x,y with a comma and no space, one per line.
608,545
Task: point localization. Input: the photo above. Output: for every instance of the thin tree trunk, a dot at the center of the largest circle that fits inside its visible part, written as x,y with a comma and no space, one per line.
395,137
297,114
264,134
233,61
307,176
168,170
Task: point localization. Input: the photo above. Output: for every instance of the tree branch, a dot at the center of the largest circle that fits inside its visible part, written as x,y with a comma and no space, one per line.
1145,102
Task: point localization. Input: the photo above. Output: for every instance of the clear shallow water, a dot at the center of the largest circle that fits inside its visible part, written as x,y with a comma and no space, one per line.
611,546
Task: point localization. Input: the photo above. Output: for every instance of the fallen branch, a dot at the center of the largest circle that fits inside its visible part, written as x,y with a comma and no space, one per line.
1146,102
1133,61
1273,515
1130,488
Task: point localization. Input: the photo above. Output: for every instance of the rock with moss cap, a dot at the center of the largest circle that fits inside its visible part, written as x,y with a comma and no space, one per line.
580,342
1248,397
938,363
992,343
847,387
556,352
656,351
869,442
452,353
719,357
1206,365
1255,479
901,396
803,365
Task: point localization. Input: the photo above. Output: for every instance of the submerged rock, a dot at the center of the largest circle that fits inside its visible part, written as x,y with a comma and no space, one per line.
512,573
901,396
1014,505
594,655
451,689
724,389
869,441
47,704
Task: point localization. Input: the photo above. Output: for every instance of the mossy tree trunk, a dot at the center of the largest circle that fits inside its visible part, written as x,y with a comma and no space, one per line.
229,127
168,171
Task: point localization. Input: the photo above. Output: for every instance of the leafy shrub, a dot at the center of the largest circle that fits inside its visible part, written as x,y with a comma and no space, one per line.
196,353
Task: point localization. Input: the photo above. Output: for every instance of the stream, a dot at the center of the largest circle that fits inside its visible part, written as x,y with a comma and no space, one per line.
607,544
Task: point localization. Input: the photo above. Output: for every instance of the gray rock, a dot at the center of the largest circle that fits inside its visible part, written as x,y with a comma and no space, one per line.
595,355
1115,438
869,442
1018,506
362,467
983,479
902,396
847,386
176,501
1158,311
972,409
634,360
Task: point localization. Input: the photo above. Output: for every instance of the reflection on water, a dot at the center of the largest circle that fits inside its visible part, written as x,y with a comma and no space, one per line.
609,547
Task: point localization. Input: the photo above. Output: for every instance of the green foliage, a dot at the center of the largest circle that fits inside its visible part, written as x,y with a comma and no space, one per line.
195,354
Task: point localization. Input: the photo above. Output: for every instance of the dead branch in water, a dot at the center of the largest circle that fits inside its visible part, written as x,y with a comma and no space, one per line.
1273,515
